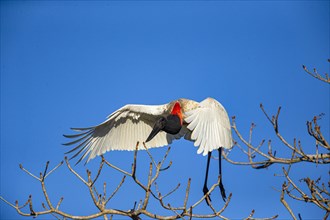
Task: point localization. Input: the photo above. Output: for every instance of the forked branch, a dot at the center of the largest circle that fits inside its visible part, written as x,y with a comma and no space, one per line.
318,193
269,155
101,199
318,76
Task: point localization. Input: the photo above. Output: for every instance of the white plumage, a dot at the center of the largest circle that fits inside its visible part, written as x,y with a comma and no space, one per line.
206,123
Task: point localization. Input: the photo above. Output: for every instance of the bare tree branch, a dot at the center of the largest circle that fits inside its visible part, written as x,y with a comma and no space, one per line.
317,195
100,200
297,153
316,75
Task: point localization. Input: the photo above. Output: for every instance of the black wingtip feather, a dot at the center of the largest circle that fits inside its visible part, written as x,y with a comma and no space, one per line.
85,135
82,129
74,135
86,142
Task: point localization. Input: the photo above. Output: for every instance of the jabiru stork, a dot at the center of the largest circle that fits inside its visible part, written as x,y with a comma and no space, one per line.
205,123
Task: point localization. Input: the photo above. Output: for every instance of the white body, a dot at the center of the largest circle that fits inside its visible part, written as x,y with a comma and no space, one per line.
206,123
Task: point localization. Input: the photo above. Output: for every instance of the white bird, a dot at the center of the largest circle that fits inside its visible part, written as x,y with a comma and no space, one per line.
205,123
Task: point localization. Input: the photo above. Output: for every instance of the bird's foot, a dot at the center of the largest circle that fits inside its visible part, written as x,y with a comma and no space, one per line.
223,192
207,197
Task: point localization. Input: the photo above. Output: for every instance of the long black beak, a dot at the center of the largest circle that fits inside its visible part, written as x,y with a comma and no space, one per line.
159,125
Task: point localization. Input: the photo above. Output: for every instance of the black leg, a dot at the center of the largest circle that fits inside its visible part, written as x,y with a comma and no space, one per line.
222,189
205,189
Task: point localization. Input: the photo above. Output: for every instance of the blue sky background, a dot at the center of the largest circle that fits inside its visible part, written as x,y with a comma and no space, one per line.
70,64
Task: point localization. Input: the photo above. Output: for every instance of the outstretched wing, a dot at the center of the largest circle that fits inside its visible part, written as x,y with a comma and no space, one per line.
121,131
210,126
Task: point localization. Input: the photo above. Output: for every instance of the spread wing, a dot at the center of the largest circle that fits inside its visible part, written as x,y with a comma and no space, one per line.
121,131
210,126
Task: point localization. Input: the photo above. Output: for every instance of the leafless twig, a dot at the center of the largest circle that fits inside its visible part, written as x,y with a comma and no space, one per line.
101,199
317,195
297,153
316,75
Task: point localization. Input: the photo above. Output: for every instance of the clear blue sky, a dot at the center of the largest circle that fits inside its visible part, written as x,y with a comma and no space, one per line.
70,64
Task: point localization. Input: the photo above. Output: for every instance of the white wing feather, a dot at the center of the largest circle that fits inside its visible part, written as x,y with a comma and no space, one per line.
210,126
207,125
121,131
